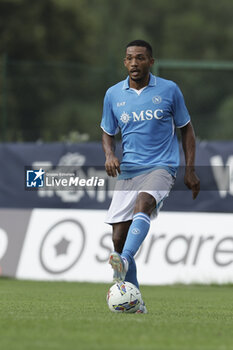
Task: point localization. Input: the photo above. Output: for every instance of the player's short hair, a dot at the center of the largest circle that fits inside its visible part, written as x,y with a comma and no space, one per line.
142,43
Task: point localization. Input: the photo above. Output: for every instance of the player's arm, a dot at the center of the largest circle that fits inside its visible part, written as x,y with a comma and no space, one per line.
112,164
191,180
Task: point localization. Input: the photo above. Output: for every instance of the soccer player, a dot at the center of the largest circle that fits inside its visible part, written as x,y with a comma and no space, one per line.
147,110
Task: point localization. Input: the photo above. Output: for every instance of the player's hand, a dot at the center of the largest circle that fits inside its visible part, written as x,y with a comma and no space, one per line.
112,166
192,181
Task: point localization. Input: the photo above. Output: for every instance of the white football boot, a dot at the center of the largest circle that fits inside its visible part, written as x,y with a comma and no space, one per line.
142,309
120,266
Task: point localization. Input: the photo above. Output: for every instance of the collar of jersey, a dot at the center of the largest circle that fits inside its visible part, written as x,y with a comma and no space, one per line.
152,82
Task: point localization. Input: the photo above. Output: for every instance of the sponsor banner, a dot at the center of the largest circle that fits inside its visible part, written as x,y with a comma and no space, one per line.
33,177
71,245
188,248
74,245
13,228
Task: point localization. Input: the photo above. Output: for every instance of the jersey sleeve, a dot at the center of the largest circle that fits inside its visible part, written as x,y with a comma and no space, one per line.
181,114
109,122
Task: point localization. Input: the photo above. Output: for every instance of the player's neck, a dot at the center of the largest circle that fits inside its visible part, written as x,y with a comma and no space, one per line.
139,84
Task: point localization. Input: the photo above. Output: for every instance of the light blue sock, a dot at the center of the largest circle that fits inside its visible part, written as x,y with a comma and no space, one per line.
131,275
136,235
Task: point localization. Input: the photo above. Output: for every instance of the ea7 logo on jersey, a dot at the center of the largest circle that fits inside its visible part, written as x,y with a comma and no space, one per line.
121,104
142,116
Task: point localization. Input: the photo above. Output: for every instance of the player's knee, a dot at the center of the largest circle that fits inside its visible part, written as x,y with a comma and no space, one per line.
145,203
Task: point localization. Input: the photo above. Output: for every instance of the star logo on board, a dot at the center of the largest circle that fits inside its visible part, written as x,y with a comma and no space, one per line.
61,247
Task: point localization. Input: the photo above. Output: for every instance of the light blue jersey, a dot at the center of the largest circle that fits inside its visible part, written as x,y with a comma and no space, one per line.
148,122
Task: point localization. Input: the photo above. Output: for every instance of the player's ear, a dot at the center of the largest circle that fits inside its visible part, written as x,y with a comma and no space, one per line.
152,61
125,62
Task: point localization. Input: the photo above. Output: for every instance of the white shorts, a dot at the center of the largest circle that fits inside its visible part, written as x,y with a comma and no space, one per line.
157,183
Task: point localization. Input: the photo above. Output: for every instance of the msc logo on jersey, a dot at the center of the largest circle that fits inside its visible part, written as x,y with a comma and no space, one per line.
156,100
125,117
142,116
35,178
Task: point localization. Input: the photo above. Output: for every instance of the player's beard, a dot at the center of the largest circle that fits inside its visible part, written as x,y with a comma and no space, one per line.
141,76
137,80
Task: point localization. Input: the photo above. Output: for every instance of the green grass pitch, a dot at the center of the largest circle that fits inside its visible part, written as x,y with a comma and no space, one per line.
70,316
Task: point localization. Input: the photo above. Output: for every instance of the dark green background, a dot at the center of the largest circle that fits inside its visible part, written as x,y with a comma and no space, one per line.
57,58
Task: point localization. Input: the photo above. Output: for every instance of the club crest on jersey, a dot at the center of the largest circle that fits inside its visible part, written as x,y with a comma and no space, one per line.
157,99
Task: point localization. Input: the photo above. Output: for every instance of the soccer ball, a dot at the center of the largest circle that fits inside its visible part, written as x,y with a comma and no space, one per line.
124,297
